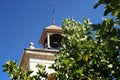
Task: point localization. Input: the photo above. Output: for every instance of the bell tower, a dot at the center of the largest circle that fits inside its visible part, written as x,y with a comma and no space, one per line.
51,37
51,40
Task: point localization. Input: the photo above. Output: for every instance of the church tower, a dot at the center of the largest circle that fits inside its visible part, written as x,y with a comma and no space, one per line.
51,41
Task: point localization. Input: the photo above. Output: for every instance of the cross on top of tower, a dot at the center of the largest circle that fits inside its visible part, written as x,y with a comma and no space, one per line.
53,12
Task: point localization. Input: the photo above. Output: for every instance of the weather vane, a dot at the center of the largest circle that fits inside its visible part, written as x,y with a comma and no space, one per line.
53,12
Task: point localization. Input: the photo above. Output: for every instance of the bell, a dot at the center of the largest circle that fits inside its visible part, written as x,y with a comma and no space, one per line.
55,45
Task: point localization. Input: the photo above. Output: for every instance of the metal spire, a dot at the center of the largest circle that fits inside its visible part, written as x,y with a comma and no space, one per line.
53,12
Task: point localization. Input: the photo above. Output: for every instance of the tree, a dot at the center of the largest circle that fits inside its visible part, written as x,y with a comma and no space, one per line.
91,51
16,73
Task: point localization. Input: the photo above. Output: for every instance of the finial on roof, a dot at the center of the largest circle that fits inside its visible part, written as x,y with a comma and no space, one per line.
53,12
31,45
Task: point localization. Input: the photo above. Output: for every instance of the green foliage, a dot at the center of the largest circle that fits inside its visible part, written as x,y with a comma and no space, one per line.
90,52
16,73
77,44
111,6
41,73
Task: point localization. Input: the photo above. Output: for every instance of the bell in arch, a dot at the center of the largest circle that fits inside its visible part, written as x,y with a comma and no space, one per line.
55,45
56,41
51,37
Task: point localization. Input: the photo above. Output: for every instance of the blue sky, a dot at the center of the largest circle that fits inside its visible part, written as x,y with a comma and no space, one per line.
22,22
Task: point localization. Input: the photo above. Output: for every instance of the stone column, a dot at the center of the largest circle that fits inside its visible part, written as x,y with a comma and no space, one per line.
48,40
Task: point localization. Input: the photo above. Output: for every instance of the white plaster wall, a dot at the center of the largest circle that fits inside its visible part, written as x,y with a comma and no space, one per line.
34,61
